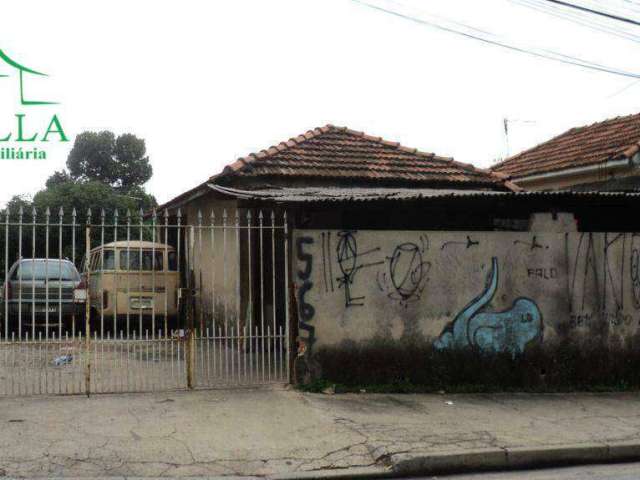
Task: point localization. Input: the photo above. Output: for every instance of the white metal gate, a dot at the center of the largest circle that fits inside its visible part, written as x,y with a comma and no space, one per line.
160,303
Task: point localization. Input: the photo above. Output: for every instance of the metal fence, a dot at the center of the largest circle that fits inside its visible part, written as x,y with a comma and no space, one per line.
126,303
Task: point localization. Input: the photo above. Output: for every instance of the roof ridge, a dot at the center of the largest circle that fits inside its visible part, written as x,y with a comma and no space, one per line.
245,164
248,160
313,133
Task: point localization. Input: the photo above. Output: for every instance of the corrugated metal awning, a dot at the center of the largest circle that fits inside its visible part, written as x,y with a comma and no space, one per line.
363,194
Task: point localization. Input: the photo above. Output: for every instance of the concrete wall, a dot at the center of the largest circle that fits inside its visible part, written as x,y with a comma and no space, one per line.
497,291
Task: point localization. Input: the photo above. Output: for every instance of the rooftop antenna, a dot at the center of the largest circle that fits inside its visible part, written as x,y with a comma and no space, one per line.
506,122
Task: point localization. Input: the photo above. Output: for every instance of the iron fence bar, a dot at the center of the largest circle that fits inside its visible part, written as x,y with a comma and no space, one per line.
153,277
250,296
20,274
261,233
286,295
46,274
178,254
199,277
60,215
88,307
33,277
166,269
140,220
238,263
214,267
101,275
116,268
73,259
5,287
128,274
224,292
273,289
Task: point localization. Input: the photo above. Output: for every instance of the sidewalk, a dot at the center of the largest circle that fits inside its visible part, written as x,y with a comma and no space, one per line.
284,433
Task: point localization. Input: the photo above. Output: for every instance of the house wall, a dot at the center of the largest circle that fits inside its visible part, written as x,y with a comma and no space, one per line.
213,259
495,291
232,268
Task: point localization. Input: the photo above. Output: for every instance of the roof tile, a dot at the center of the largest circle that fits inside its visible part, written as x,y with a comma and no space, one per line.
612,139
341,153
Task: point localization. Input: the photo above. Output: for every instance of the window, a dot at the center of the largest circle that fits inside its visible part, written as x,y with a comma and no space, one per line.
95,261
46,270
159,265
130,260
173,262
109,260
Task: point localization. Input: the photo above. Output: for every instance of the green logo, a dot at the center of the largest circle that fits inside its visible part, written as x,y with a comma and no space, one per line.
24,132
22,70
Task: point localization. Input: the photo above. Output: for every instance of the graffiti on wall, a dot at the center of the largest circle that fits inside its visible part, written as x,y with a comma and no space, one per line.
508,331
422,282
306,311
405,278
467,244
531,245
634,269
351,261
604,283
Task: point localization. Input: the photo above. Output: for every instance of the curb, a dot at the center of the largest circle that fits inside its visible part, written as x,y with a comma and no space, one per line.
513,458
490,459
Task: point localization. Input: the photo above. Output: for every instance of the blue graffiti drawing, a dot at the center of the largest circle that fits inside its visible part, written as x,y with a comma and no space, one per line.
508,331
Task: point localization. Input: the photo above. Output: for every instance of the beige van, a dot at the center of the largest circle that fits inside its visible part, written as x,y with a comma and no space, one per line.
133,278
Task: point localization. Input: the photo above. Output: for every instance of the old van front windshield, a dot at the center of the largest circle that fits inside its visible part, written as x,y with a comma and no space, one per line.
130,260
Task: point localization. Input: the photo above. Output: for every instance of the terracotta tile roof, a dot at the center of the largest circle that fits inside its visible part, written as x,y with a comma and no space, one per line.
339,153
613,139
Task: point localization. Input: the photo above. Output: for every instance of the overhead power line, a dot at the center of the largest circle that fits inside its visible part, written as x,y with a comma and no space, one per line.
543,53
595,12
577,18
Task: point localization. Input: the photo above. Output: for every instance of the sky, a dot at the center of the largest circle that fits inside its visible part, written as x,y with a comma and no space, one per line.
204,82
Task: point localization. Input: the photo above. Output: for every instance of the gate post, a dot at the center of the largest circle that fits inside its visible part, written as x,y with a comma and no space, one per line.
87,310
190,360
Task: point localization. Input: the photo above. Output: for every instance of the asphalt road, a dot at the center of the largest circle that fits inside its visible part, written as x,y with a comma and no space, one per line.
625,471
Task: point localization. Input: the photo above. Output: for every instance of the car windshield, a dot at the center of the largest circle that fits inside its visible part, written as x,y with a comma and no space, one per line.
46,270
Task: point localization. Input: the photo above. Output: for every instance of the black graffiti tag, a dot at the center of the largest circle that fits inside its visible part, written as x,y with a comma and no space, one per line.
405,279
351,261
406,270
306,310
635,269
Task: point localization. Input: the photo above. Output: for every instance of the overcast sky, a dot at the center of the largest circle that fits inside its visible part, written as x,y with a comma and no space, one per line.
205,82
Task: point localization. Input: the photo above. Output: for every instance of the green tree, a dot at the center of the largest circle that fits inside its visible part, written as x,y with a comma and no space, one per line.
58,178
103,172
119,162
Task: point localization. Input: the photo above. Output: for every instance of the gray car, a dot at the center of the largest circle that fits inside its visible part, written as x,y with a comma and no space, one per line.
41,292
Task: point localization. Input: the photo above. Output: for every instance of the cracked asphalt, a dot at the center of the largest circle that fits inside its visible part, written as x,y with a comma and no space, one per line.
267,431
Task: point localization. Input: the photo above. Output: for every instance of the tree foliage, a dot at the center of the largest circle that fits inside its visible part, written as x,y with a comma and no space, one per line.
119,162
103,172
